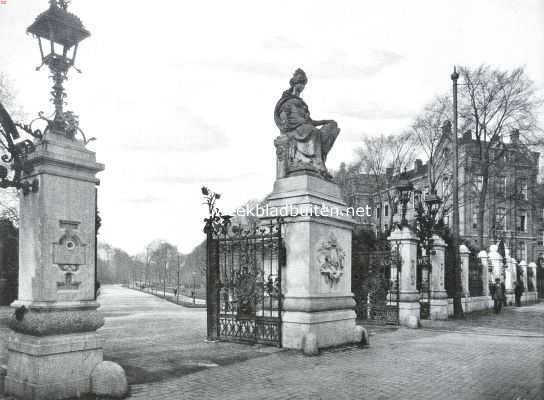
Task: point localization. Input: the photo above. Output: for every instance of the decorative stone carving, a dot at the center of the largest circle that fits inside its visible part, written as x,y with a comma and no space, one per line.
331,259
308,145
69,254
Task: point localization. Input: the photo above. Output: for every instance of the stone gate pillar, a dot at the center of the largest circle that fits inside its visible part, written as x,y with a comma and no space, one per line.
318,302
464,253
523,267
496,262
509,277
53,346
439,296
408,293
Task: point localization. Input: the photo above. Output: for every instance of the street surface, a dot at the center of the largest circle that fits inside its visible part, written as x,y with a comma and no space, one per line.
162,347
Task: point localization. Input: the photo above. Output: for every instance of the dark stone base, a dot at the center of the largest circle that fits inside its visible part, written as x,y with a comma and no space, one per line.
47,323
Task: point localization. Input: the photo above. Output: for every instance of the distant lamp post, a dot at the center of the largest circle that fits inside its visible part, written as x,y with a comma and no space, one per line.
59,34
404,190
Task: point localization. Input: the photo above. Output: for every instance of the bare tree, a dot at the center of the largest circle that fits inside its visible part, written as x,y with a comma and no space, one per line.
427,134
9,208
495,103
380,158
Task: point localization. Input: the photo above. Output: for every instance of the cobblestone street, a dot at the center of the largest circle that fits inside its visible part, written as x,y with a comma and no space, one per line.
483,357
161,346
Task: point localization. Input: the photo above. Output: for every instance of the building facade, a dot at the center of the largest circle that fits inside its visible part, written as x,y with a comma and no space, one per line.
513,212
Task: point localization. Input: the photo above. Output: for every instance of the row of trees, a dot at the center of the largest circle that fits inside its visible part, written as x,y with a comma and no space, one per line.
160,267
492,104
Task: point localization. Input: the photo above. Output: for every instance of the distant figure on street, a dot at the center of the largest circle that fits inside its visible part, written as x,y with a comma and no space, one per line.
503,287
518,292
498,296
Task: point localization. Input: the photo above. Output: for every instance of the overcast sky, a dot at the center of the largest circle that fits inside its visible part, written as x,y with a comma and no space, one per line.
181,93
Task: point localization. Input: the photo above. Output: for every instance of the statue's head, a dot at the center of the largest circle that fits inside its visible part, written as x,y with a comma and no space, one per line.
298,81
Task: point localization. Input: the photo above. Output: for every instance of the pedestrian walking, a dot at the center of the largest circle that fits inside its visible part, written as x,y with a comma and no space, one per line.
498,295
518,292
503,287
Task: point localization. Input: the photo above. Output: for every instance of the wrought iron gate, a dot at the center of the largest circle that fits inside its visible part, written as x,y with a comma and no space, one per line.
424,274
375,277
475,283
244,285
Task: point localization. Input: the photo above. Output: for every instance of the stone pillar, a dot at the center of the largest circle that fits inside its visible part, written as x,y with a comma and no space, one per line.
464,253
496,262
53,346
484,260
523,267
509,277
318,303
439,296
408,293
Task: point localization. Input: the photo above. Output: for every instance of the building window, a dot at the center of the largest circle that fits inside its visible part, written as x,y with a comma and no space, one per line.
378,211
501,186
386,210
523,188
540,241
522,221
522,251
447,219
500,216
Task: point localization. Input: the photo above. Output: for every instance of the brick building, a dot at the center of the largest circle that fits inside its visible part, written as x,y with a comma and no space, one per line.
513,211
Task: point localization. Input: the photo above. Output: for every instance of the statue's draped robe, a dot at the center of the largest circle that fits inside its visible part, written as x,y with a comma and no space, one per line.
310,144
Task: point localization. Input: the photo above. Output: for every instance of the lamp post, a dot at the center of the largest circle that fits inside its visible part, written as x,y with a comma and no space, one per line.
404,190
425,228
59,34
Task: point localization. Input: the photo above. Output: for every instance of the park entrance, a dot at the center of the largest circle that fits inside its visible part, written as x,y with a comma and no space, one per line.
244,283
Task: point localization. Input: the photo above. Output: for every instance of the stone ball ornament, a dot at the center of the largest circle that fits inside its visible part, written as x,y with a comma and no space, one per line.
108,380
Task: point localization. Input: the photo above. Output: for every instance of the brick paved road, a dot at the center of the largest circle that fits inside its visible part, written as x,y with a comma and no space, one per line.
487,357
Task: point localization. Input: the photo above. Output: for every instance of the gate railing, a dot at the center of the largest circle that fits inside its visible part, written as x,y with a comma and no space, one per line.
375,278
245,264
424,272
475,283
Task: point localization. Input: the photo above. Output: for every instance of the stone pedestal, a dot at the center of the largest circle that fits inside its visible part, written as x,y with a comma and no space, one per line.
53,346
318,302
439,296
408,293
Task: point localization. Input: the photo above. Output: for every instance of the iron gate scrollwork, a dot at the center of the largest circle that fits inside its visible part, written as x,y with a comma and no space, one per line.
244,281
375,277
424,273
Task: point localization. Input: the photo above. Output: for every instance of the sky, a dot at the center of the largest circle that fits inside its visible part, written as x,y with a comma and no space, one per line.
181,94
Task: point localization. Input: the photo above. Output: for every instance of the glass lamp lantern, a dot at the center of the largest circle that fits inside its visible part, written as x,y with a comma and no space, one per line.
59,34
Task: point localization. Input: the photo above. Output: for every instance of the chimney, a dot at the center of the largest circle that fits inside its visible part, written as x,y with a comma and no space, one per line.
389,171
514,136
418,164
467,136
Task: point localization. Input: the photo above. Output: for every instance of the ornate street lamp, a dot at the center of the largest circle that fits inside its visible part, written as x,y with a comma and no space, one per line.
59,34
404,189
